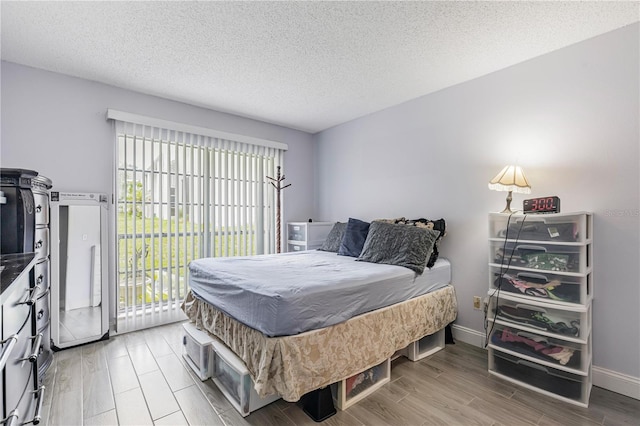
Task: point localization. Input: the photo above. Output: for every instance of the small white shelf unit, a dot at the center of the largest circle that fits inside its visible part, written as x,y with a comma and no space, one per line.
307,235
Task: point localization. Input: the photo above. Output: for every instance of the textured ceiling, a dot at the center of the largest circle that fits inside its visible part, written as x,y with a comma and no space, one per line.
304,65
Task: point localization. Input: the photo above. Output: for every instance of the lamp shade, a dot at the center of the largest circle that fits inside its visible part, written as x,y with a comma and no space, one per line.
511,178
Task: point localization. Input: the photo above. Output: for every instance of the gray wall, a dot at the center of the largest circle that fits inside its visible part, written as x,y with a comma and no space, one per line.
569,118
56,124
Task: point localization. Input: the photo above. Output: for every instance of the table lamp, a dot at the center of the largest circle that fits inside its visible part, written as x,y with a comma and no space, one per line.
511,179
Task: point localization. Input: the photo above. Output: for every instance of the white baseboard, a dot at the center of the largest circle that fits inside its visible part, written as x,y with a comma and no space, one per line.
468,335
616,382
602,378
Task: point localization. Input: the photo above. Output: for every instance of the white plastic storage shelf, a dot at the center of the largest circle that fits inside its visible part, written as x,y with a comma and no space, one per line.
307,235
540,302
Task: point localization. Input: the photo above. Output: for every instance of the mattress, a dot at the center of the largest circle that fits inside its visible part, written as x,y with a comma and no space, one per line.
290,293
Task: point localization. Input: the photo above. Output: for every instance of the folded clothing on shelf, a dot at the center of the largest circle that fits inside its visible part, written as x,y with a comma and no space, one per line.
535,346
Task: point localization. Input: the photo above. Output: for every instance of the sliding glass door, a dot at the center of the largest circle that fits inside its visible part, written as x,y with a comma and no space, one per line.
182,196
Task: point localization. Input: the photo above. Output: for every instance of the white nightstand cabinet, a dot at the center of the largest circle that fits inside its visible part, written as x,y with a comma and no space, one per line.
307,235
539,313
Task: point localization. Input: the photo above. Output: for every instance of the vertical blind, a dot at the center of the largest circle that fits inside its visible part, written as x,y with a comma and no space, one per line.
180,196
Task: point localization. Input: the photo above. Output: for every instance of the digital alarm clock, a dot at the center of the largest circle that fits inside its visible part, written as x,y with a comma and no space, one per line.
542,205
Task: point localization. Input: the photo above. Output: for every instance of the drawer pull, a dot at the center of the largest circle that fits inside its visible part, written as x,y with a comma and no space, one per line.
37,418
39,279
6,351
38,244
13,417
31,300
533,276
527,247
531,308
33,356
532,365
40,314
38,208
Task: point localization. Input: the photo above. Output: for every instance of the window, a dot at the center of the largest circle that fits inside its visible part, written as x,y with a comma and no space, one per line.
180,196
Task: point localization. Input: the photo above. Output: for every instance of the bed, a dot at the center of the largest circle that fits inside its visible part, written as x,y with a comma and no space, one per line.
302,321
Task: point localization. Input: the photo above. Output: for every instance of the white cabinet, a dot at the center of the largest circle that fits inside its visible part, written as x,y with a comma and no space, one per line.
307,235
540,294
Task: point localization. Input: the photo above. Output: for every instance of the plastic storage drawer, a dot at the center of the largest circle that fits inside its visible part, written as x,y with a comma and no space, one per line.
296,232
542,286
541,256
544,318
233,379
196,350
543,350
574,228
353,389
574,388
426,346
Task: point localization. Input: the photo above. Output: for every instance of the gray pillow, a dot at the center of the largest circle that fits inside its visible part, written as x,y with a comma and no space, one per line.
401,245
332,243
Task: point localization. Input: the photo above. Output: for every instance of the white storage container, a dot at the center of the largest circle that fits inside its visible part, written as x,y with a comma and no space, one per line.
355,388
426,346
196,350
307,235
545,286
233,379
547,319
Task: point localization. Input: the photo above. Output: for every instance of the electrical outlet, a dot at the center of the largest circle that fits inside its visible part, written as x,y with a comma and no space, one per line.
477,302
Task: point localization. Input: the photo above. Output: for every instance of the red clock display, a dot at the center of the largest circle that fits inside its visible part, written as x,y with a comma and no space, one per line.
542,205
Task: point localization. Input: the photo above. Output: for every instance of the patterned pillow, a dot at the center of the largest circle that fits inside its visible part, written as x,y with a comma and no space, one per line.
436,225
394,244
334,239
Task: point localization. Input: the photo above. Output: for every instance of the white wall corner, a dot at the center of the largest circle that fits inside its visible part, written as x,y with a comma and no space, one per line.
602,378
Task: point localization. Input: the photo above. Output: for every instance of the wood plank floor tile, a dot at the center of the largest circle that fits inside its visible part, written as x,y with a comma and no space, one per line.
93,358
506,411
377,409
196,408
66,408
175,372
616,409
156,343
123,375
132,408
69,375
97,396
108,418
174,419
115,347
142,358
158,395
557,410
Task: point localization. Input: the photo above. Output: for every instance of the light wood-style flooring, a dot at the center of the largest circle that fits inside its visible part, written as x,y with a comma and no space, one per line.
140,378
